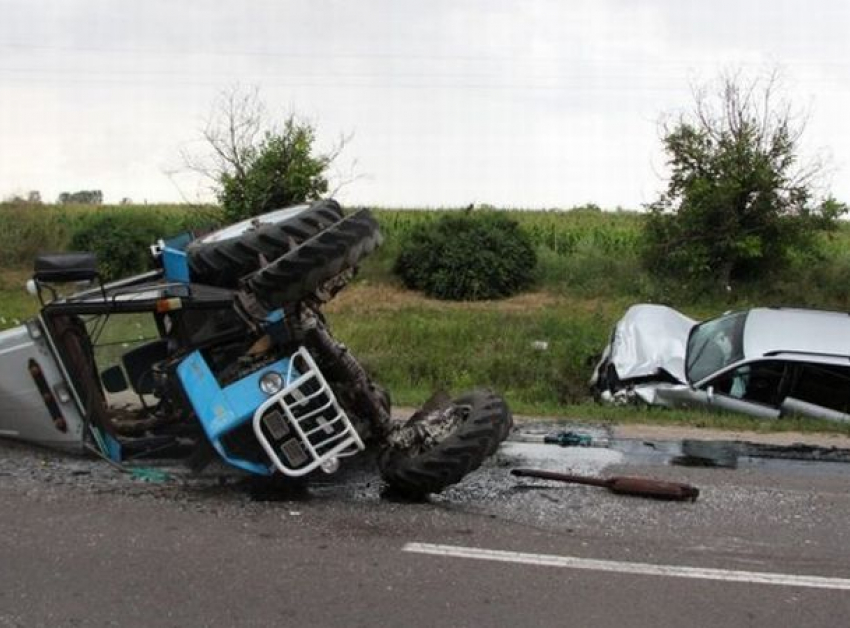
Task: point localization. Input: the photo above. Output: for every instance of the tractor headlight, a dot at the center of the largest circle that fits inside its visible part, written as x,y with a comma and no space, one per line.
271,383
331,465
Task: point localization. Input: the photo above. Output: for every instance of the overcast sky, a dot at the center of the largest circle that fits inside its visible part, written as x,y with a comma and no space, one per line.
528,103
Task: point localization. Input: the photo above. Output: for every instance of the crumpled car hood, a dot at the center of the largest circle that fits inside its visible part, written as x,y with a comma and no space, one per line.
650,338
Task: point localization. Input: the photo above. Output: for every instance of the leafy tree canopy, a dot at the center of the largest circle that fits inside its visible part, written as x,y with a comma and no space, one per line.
258,165
83,197
739,201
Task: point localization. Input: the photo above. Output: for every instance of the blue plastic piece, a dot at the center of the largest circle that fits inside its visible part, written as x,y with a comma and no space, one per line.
179,242
221,410
174,258
275,316
147,474
175,265
113,448
107,444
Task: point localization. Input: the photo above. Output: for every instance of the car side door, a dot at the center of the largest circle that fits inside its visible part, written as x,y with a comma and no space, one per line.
755,388
819,390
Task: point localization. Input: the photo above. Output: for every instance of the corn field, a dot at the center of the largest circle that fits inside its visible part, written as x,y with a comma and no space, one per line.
27,229
562,232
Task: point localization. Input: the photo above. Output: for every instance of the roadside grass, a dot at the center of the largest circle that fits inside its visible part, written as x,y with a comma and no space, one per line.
594,413
112,337
533,348
16,304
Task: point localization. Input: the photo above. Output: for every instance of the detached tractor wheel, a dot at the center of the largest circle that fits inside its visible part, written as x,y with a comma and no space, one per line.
303,270
222,257
497,408
452,441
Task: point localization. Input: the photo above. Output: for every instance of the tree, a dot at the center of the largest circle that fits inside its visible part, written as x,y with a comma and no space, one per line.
83,197
739,200
258,166
33,197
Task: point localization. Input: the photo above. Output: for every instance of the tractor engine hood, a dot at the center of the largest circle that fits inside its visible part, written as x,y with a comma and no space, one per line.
648,339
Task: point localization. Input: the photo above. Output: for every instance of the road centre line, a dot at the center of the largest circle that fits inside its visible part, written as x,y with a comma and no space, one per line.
645,569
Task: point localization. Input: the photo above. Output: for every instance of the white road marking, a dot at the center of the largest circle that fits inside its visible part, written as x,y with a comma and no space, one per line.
644,569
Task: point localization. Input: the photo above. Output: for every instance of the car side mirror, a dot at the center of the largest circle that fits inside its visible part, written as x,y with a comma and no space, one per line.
114,380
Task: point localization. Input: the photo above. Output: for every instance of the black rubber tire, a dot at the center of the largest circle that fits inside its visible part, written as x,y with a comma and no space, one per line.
304,269
498,409
606,381
415,473
222,262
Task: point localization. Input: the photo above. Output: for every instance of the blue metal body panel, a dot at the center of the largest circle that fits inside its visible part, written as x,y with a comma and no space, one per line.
174,258
221,410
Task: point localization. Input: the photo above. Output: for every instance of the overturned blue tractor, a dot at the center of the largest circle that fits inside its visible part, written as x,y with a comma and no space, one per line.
223,351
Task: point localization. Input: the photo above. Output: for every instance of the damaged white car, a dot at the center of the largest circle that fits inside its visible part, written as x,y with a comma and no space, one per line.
765,362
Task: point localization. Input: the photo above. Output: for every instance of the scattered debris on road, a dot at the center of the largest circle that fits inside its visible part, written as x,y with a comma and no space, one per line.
565,437
701,453
569,439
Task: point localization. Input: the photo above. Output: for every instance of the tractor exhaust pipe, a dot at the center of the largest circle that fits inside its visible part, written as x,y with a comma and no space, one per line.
622,485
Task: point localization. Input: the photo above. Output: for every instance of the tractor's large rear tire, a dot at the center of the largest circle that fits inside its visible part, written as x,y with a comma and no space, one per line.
223,257
304,269
417,470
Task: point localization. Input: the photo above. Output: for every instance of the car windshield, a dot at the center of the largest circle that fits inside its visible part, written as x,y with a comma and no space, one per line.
714,345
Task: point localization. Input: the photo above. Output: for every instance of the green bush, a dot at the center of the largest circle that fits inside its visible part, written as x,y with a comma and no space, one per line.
120,242
467,256
122,239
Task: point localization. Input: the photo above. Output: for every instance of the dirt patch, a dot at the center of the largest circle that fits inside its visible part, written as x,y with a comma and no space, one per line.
379,297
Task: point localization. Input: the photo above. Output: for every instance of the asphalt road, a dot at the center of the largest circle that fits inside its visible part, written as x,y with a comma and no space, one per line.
83,545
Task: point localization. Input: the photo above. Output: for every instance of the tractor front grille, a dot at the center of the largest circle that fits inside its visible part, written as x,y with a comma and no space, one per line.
303,425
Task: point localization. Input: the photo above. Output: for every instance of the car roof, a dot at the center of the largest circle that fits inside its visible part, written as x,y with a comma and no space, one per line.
788,330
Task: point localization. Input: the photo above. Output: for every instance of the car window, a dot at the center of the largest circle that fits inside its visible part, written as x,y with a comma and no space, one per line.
762,382
714,345
825,385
